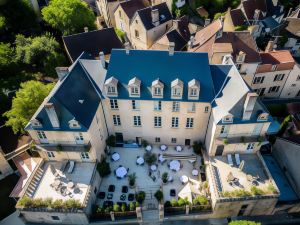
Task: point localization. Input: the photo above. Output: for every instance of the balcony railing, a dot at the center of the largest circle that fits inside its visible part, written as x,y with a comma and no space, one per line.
241,139
67,147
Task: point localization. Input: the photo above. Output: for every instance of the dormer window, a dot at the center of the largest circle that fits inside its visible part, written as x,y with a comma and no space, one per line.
194,89
111,85
36,123
227,119
74,124
134,87
240,57
177,87
263,117
157,89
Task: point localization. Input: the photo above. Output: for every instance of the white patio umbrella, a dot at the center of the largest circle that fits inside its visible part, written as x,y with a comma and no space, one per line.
188,191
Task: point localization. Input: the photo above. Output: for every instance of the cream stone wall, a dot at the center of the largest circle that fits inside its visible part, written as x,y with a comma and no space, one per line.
247,72
148,132
5,168
292,85
107,10
269,82
122,22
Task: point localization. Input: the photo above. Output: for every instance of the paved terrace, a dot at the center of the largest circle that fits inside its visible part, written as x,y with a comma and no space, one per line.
144,182
81,177
252,166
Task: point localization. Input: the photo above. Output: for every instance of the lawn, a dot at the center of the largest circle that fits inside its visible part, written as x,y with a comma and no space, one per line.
7,204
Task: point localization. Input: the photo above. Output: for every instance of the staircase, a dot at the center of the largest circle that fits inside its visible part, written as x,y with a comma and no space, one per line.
34,182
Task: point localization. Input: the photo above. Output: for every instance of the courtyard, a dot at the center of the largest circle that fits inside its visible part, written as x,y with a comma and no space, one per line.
148,180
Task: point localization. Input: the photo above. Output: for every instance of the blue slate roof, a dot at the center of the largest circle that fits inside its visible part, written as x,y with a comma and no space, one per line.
270,22
150,65
65,97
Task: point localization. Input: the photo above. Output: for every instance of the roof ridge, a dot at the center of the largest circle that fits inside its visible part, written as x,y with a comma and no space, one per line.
71,35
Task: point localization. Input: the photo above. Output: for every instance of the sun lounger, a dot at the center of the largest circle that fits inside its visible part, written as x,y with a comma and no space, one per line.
237,159
229,158
71,168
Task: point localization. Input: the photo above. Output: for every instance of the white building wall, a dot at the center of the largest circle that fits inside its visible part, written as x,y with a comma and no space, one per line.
292,85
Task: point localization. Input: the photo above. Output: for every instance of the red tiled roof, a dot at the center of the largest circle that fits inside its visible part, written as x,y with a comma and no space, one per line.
276,57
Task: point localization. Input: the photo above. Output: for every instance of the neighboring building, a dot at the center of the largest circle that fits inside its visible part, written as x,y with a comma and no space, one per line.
5,168
237,126
272,74
179,34
291,88
124,13
293,32
149,24
107,9
92,42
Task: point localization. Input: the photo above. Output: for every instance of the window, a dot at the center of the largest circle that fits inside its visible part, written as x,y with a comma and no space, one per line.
120,14
157,91
55,218
173,140
192,107
189,122
175,107
242,210
157,105
223,130
194,92
111,90
258,80
206,109
157,139
274,67
117,120
238,66
227,119
298,77
134,90
174,122
250,146
135,105
41,135
260,91
114,104
136,21
137,121
278,77
51,154
157,121
176,92
136,33
274,89
293,85
84,155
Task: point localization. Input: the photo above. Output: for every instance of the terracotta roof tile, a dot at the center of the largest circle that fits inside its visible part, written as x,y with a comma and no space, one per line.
276,57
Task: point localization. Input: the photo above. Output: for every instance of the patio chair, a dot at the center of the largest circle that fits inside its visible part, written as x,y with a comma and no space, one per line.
237,159
111,188
130,197
101,195
124,189
172,192
229,158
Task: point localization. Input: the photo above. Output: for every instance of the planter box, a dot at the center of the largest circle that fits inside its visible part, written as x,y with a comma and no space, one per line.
125,215
100,217
200,209
169,211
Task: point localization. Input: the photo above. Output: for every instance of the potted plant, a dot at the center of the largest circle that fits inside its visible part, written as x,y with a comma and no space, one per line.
150,158
164,177
159,195
103,168
111,141
131,180
144,143
140,196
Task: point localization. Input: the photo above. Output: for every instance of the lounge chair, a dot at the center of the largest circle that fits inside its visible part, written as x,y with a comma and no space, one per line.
237,159
71,167
229,158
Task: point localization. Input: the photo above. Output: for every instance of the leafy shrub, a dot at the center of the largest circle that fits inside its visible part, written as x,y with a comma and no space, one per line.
256,191
144,143
25,202
150,158
140,196
120,34
57,204
168,204
197,146
241,28
164,177
132,206
131,179
174,203
72,203
218,15
200,200
103,168
244,222
182,202
111,141
123,207
271,189
159,195
117,208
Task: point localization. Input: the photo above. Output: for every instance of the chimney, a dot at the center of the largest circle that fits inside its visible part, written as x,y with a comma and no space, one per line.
49,107
207,22
127,47
249,105
102,59
270,46
191,42
86,29
171,48
155,17
61,72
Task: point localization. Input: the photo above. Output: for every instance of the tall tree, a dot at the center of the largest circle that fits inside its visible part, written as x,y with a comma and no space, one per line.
28,99
7,59
69,16
42,52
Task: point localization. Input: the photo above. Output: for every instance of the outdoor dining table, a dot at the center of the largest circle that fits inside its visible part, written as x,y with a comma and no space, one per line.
153,167
184,179
175,165
148,148
163,147
178,148
57,183
121,172
115,156
70,184
140,160
195,172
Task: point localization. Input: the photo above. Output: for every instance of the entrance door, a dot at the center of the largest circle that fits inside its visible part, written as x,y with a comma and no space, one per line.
139,141
119,140
219,150
187,142
257,129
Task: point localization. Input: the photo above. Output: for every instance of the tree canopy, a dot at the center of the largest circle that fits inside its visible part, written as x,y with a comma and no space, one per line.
27,100
7,59
42,52
69,16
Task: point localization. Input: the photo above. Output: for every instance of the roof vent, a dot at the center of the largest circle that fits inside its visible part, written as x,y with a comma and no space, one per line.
81,101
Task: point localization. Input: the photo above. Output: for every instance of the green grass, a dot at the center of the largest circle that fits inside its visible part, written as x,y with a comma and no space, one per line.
7,204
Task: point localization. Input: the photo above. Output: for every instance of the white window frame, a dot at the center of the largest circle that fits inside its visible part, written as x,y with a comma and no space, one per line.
175,122
137,121
192,107
279,77
157,91
116,120
114,104
134,90
157,121
175,106
276,89
173,140
135,104
50,154
84,155
42,136
206,109
258,80
157,139
111,90
189,122
176,91
157,105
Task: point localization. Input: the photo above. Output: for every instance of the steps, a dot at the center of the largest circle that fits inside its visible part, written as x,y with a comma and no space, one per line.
34,182
150,217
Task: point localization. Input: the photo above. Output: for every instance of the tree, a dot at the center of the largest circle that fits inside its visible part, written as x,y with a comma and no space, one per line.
42,51
69,16
244,222
103,168
7,59
28,99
